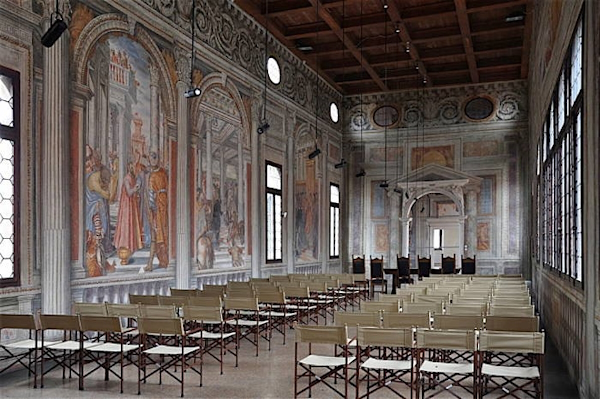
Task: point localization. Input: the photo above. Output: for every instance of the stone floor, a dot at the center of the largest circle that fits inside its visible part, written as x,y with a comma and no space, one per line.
270,375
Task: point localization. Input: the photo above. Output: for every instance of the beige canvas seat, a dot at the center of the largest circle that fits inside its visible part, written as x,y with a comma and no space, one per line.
111,349
248,321
312,365
439,373
20,351
388,359
167,358
510,379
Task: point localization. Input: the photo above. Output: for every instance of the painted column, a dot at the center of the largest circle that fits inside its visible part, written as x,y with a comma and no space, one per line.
209,178
471,228
154,104
241,178
55,233
257,182
405,229
183,216
394,245
324,218
290,197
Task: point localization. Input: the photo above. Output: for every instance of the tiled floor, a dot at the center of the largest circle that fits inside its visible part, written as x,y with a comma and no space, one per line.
270,375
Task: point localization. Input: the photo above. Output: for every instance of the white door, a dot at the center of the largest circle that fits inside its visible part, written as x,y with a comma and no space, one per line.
444,240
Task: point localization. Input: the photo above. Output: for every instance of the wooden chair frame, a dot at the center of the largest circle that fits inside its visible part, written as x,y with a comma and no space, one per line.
22,351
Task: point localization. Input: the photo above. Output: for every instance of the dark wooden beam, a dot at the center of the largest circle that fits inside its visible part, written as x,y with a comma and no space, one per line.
465,30
352,24
527,40
326,16
484,5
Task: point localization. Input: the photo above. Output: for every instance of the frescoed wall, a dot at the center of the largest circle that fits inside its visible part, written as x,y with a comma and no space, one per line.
307,195
126,183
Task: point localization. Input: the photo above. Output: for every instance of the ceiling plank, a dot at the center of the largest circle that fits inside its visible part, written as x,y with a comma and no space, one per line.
254,11
482,5
465,30
394,13
326,16
277,8
527,40
352,24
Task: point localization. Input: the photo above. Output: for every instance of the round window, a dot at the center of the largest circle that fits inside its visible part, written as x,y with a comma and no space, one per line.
273,70
334,112
385,116
479,108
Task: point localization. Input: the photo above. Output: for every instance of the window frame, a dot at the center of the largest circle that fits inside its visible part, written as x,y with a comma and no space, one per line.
13,134
275,193
333,208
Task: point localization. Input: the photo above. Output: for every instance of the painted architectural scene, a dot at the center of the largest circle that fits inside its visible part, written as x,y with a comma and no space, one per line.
307,197
126,181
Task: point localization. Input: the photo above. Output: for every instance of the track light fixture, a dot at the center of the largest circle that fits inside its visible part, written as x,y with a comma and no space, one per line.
314,154
361,173
384,185
264,126
398,190
397,30
385,5
55,30
340,164
193,92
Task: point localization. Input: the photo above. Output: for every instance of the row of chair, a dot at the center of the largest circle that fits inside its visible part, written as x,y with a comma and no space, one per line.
424,360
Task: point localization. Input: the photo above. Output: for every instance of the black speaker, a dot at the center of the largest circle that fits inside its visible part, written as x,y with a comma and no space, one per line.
53,33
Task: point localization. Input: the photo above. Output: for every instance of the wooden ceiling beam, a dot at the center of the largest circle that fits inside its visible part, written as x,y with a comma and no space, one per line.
326,16
465,30
483,5
396,17
254,11
277,8
352,24
527,40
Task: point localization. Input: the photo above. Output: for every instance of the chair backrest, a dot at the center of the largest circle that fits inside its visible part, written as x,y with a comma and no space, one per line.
166,326
424,265
59,322
463,340
123,310
202,313
18,321
216,289
466,309
403,320
143,299
271,297
100,323
518,301
448,264
403,265
90,309
373,306
242,303
512,342
377,268
173,300
508,323
450,322
208,301
158,311
430,298
352,319
297,292
385,337
400,296
259,280
279,278
468,265
183,292
335,335
358,264
423,307
499,310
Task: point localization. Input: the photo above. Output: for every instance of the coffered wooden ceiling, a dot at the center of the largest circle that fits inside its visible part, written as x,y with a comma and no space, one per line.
366,46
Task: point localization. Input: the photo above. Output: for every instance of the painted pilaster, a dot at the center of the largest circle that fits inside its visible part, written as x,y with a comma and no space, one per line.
209,155
55,232
154,105
394,245
471,228
291,179
182,270
405,229
257,182
324,233
240,172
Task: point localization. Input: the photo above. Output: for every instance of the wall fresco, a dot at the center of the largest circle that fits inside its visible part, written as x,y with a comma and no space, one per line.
480,148
483,236
307,200
440,155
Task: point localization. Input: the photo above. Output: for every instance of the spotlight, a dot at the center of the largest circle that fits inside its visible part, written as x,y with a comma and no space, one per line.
263,127
422,209
384,185
385,5
397,30
340,164
398,190
314,154
361,173
406,194
54,32
193,92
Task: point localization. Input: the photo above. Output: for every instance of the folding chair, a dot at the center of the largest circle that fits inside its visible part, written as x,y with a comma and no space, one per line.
184,292
333,366
423,307
108,352
404,320
453,322
22,351
374,306
512,323
466,309
523,311
247,320
90,309
510,379
439,370
128,315
143,299
281,317
207,325
64,353
353,320
299,302
177,354
389,357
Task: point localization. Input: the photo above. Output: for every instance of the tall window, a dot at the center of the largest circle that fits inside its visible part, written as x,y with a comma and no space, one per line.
559,181
9,177
274,236
334,221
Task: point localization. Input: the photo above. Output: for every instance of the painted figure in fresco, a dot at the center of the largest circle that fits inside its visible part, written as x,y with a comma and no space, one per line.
158,202
205,254
216,217
100,189
128,231
237,258
141,178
